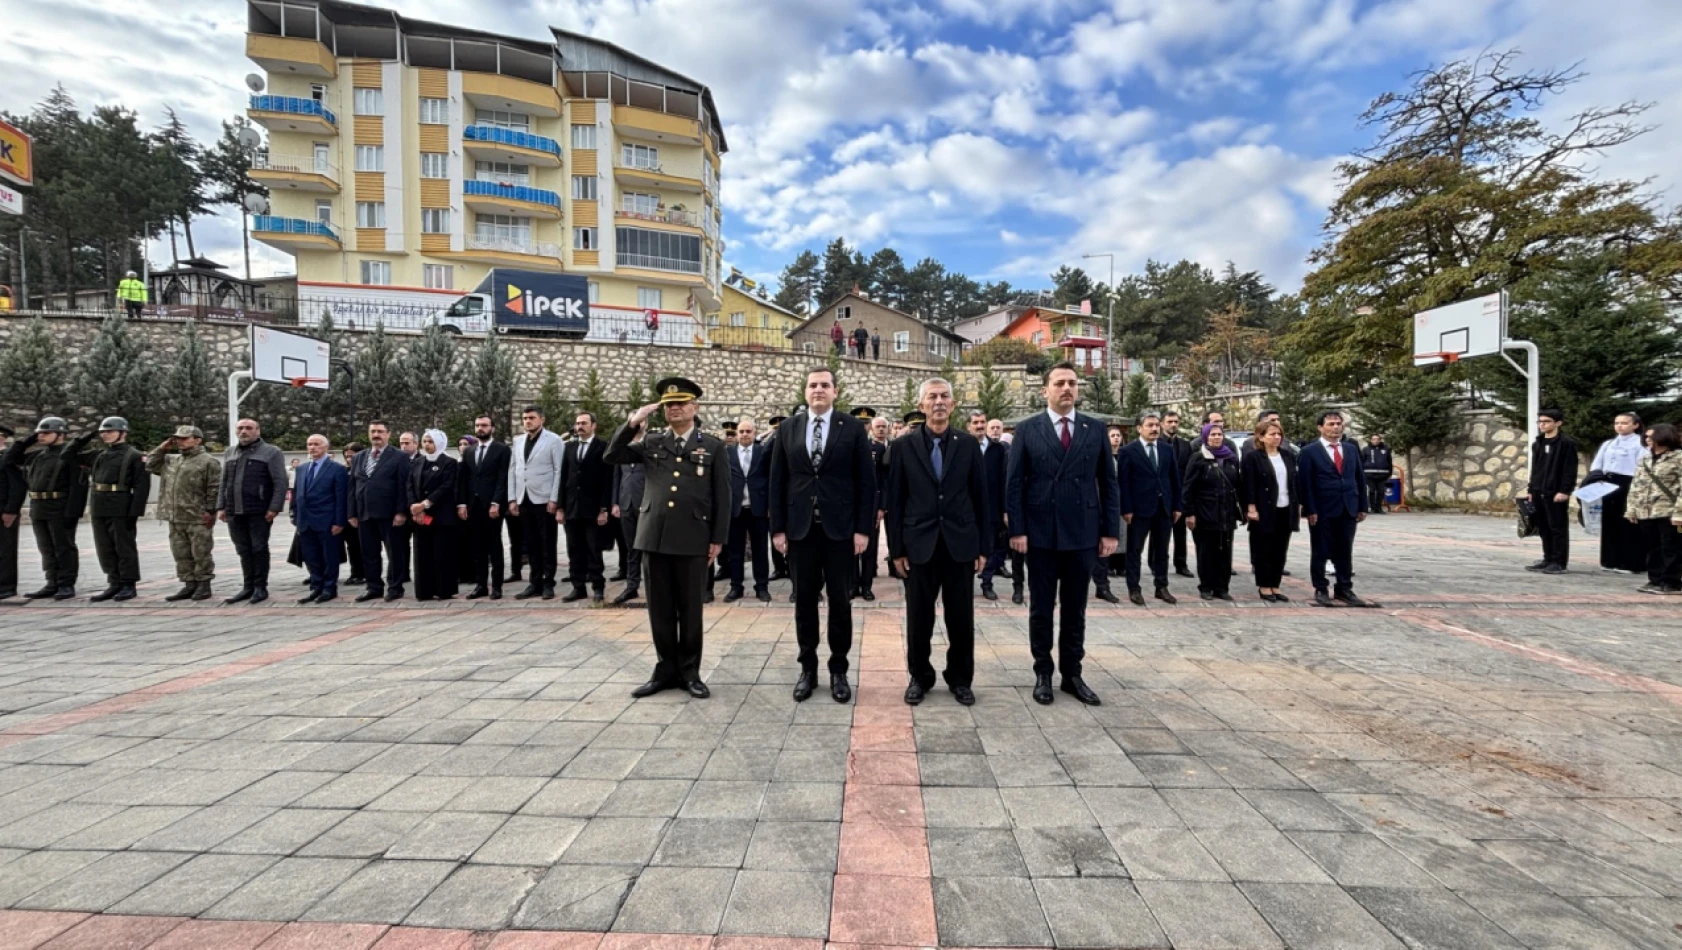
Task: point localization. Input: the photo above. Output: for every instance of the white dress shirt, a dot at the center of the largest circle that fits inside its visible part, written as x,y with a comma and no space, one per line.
745,453
1277,460
1056,424
828,429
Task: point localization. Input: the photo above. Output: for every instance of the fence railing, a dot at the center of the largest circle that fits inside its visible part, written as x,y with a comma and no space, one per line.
268,223
496,189
264,160
678,265
495,135
293,105
667,216
508,246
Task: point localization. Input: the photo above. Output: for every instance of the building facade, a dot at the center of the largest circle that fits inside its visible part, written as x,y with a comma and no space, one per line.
746,320
418,156
985,326
905,338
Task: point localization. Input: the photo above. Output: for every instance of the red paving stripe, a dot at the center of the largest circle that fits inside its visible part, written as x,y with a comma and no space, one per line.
28,929
126,701
1641,684
113,933
325,937
421,938
519,940
217,935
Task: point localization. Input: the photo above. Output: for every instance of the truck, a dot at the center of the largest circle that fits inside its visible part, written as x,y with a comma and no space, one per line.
518,301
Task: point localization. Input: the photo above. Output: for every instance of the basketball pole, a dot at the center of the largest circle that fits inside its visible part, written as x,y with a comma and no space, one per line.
1532,379
235,397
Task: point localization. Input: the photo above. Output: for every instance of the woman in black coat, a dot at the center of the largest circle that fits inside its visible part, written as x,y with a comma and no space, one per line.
437,485
1271,507
1212,512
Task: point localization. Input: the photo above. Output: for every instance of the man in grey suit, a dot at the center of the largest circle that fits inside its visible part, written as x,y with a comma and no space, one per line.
628,482
533,474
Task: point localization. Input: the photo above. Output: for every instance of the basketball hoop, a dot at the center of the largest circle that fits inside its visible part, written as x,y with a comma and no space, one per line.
1449,356
299,382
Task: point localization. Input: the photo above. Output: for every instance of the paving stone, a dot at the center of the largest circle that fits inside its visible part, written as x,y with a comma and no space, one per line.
975,852
381,892
124,829
529,840
605,764
285,890
280,832
425,793
1643,921
499,794
1545,922
794,846
954,769
351,790
1250,855
1299,810
802,801
1097,913
950,739
1432,919
989,912
964,808
1102,769
677,900
37,869
1361,860
1116,807
104,882
616,841
1046,807
1164,854
1022,771
570,798
1459,863
1178,771
779,903
742,800
446,836
647,798
475,897
1063,851
365,834
1211,808
1566,870
576,898
1318,917
705,842
54,823
811,765
1206,915
740,765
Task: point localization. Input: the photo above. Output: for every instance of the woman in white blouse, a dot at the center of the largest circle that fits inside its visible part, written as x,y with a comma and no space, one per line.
1623,548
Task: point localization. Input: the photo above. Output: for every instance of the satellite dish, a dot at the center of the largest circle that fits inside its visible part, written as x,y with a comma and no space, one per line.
250,139
256,204
254,82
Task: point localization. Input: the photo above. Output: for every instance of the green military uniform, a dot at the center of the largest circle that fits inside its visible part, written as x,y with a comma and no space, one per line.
685,509
119,487
58,494
191,479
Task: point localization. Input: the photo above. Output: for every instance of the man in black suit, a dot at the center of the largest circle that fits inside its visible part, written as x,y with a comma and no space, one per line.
379,505
1182,453
485,468
866,574
1115,565
750,523
823,496
1150,504
586,492
779,560
995,459
939,533
1060,497
629,480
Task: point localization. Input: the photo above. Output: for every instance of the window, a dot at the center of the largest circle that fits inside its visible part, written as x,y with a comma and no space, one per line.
583,239
637,203
376,272
738,319
934,343
370,158
370,214
369,101
584,187
514,121
595,292
435,112
808,347
318,92
712,319
845,313
502,227
502,172
324,210
320,153
435,221
438,276
764,320
902,341
661,250
640,156
583,136
435,165
649,298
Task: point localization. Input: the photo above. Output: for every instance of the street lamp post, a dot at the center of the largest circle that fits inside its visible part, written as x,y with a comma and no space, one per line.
1109,339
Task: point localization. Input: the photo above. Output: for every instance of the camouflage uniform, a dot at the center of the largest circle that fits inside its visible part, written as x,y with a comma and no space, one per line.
191,479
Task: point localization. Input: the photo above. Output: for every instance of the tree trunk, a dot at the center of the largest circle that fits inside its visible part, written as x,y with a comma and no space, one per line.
245,237
187,227
174,255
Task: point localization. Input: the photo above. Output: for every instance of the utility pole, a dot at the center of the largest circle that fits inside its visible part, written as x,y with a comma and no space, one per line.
1109,339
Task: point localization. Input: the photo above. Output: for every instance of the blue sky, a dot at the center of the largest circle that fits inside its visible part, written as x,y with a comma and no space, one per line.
1003,137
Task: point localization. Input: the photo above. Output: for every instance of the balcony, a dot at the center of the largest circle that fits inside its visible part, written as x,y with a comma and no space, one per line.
293,114
294,234
494,197
686,219
291,55
493,250
494,144
653,126
653,176
510,94
294,172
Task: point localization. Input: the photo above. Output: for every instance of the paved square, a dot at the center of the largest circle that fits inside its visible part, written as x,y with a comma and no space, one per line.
1494,759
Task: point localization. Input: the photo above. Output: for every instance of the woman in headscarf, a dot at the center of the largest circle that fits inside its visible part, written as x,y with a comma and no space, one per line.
437,486
1623,547
1212,485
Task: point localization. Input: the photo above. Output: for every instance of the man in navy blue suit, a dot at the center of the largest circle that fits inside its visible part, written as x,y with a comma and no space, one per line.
1064,512
320,508
1150,504
750,525
1333,503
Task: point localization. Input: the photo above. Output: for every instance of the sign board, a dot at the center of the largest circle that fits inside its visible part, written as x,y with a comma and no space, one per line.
11,200
16,157
280,357
1476,327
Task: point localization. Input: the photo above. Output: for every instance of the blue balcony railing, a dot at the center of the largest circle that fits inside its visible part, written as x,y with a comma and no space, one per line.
493,189
294,105
493,135
273,224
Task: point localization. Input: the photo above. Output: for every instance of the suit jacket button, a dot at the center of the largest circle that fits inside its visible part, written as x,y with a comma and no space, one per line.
674,488
671,504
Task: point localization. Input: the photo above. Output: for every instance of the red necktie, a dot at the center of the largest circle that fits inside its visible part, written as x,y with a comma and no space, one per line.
1337,458
1065,437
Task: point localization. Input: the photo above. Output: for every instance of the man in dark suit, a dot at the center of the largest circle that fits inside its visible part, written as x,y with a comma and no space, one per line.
585,490
939,534
629,479
750,519
823,497
13,491
379,505
1149,474
1334,502
1064,511
485,469
779,560
1182,447
995,459
867,562
320,513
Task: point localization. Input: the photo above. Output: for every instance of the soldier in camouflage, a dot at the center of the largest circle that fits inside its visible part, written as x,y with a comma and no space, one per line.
188,503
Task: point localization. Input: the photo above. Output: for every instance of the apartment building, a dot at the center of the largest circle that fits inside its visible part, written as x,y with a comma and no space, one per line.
417,156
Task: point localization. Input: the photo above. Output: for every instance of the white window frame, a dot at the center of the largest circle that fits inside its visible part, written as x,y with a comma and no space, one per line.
585,239
584,136
656,294
738,318
502,227
370,214
595,291
370,158
808,347
646,157
712,319
512,121
435,220
584,187
438,276
764,320
376,273
324,210
502,172
639,202
434,111
844,313
318,91
368,101
430,162
902,341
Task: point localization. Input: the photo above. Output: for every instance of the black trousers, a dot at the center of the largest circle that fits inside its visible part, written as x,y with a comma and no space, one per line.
1180,545
996,560
9,559
1058,579
379,534
1153,530
484,537
516,542
1331,539
633,557
1267,556
869,560
823,566
749,538
538,535
119,555
55,538
321,555
250,534
953,584
1664,552
350,542
1214,559
1553,523
675,585
436,559
584,553
1623,545
1377,488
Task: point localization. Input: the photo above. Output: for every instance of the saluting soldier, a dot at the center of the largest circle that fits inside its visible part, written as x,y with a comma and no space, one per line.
58,494
866,575
120,487
683,524
13,490
187,501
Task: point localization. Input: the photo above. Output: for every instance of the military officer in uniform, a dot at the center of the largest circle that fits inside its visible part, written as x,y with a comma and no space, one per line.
13,490
867,562
58,494
187,501
683,524
120,487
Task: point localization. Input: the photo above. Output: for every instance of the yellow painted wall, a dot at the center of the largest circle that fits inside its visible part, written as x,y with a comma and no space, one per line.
434,138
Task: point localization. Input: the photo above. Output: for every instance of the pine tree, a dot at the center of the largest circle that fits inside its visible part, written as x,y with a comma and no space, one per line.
336,400
1293,397
226,167
489,381
1411,409
843,402
592,398
117,379
992,395
179,176
380,384
799,283
908,401
430,368
32,372
551,400
191,383
1138,397
1100,395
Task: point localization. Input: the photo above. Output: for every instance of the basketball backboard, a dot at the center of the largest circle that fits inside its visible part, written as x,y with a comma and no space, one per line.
281,357
1476,327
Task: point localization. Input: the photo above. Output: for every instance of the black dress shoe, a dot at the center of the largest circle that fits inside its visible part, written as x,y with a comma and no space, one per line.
733,595
366,596
649,689
1163,595
1183,571
259,594
1348,599
324,598
1206,595
914,693
697,689
1281,599
1537,566
804,685
548,592
763,596
1554,569
779,575
1136,596
1284,573
357,581
964,695
43,593
707,598
105,594
1323,599
839,688
1224,595
393,594
65,593
1042,689
477,593
987,592
576,594
496,593
1105,594
310,598
185,593
625,596
791,597
867,594
1016,596
1076,687
513,578
618,577
127,593
239,598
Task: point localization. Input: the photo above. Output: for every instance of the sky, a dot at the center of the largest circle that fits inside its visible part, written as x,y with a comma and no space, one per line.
1005,138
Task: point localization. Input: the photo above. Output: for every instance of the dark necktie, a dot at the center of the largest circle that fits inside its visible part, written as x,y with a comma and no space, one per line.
1064,422
817,441
1150,450
935,459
